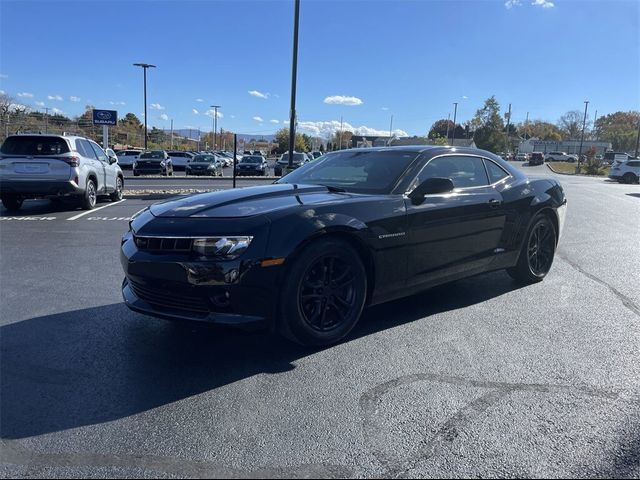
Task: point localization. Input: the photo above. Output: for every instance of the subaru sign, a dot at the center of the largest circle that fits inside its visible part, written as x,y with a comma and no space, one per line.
105,117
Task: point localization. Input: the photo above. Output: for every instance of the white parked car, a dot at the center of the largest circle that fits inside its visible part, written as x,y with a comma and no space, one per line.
626,172
126,158
560,157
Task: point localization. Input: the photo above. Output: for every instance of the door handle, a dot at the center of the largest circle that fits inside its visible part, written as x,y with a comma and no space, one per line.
494,203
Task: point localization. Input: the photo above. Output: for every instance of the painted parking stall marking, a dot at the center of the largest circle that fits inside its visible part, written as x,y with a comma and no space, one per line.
27,218
75,217
109,219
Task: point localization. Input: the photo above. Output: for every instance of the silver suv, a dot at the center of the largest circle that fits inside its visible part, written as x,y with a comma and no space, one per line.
57,166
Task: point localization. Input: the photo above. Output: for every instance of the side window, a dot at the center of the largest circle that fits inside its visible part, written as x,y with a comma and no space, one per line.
87,151
496,173
633,164
464,171
99,153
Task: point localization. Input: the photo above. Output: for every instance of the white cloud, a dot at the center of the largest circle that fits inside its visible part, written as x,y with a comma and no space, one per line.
25,95
74,99
157,106
57,111
343,100
326,129
211,112
195,112
512,3
40,104
256,93
2,92
117,103
18,106
233,116
199,100
164,117
2,75
464,97
258,119
55,97
274,121
385,108
543,3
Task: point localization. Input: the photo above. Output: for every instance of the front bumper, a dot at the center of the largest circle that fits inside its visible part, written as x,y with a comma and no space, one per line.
39,188
204,172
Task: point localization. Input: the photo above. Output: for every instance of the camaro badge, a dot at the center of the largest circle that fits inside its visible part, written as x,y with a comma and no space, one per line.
390,235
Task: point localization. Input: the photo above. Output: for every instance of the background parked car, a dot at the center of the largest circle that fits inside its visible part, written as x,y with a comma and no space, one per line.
298,159
536,158
522,157
211,165
55,167
560,157
127,157
252,165
179,159
626,172
153,162
613,158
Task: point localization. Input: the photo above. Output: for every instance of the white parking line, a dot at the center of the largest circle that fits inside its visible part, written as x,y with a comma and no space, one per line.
94,210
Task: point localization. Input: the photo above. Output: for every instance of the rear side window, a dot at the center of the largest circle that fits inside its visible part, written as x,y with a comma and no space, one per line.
633,164
99,152
84,149
34,145
463,171
495,172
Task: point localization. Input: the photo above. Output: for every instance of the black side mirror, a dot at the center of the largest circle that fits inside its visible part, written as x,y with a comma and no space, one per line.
430,186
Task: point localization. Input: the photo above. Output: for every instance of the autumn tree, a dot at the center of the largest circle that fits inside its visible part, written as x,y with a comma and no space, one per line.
489,126
619,128
444,127
570,124
282,139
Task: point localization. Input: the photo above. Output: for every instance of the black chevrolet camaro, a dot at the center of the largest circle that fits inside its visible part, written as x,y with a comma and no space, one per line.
352,229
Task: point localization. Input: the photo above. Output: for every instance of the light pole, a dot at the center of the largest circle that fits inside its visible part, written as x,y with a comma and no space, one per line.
638,138
455,113
144,68
390,129
215,125
46,119
584,122
294,72
507,145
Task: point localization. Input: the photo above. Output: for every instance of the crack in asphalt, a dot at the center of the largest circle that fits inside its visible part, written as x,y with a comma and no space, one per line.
11,452
626,301
453,425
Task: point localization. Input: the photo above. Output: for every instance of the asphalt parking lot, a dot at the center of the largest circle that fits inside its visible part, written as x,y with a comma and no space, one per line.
478,378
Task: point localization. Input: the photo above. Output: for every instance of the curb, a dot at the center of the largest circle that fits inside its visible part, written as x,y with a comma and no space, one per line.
200,178
575,174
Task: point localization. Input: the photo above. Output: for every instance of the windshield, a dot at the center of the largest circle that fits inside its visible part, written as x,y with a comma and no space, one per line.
251,160
157,155
356,170
297,158
204,158
34,145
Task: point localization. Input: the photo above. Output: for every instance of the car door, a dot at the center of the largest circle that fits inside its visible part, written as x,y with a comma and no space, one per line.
108,172
455,233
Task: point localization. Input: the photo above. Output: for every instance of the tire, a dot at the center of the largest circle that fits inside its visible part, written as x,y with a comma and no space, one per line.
136,174
171,173
629,178
312,314
117,195
537,253
90,197
12,202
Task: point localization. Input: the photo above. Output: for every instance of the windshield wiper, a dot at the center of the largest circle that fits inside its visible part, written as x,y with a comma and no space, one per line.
331,188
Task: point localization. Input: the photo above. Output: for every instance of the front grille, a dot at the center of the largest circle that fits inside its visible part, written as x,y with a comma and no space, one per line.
169,298
163,244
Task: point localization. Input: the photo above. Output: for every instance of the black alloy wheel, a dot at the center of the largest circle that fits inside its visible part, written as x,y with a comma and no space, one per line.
629,178
538,251
12,202
327,295
324,292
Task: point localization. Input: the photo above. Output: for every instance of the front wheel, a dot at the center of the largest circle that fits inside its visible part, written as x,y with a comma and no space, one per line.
12,202
324,293
629,178
536,255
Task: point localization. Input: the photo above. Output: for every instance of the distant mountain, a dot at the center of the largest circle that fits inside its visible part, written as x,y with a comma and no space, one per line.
194,134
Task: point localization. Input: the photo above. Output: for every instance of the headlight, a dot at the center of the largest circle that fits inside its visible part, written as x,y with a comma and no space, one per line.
211,166
135,164
225,247
162,164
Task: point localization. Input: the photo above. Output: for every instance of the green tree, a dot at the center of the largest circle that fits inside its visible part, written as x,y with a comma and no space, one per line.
282,139
489,126
442,127
619,128
540,129
346,139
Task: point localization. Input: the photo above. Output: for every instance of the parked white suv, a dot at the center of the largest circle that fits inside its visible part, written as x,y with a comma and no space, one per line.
57,166
560,157
626,172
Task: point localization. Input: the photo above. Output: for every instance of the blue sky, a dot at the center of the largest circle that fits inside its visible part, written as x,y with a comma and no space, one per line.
409,59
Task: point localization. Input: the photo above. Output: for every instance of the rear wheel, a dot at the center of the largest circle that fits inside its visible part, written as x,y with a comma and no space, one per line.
538,250
116,196
629,178
324,293
90,196
12,202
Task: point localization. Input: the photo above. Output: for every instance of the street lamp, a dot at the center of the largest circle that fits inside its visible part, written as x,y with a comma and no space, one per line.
294,71
144,68
215,125
455,113
584,122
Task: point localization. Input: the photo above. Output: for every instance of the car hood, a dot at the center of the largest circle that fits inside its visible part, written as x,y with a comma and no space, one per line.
246,202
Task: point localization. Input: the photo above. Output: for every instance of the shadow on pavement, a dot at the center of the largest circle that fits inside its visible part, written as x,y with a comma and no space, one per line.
104,363
637,195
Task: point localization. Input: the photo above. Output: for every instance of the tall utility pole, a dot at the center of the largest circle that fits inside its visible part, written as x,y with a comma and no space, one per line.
390,129
46,119
340,132
455,113
507,146
172,134
584,122
526,126
294,73
595,132
145,66
448,120
215,125
638,138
